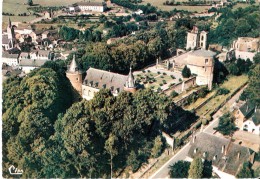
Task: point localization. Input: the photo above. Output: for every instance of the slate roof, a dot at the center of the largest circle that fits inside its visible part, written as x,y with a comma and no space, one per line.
31,62
5,39
103,79
247,109
202,52
89,4
212,145
10,55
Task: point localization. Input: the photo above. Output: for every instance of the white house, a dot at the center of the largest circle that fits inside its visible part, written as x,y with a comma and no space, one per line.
27,65
10,59
88,6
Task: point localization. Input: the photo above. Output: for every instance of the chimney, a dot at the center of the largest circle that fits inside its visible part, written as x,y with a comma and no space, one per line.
193,139
223,149
238,155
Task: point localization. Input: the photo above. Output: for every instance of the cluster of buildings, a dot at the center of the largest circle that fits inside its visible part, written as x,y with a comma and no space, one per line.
28,49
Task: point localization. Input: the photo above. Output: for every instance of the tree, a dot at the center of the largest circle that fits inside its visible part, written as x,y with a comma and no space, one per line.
196,168
234,70
30,2
179,169
133,161
246,171
257,58
186,73
157,147
254,85
111,148
207,169
226,124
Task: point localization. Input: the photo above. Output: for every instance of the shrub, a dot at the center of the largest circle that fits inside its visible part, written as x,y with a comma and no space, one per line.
173,77
164,74
186,73
158,72
143,71
161,84
164,82
204,121
174,94
148,71
222,91
180,80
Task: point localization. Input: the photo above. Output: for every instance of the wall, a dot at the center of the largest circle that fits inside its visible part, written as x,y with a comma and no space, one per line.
10,61
168,139
251,127
76,81
245,55
180,87
88,92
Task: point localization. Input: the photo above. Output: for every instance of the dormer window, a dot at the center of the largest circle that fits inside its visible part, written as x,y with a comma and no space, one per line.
215,157
204,154
195,151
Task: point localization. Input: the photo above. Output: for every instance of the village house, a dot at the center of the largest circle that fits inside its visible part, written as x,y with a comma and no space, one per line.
27,65
246,47
248,118
41,55
10,59
227,157
88,6
99,79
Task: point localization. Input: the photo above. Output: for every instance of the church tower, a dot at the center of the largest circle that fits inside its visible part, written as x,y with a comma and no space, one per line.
130,82
10,34
203,40
74,74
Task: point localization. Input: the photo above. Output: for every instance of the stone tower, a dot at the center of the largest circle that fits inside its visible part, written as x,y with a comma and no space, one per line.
196,39
130,83
192,38
203,40
74,74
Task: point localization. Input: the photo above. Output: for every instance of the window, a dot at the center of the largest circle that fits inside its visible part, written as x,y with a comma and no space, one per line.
202,37
206,61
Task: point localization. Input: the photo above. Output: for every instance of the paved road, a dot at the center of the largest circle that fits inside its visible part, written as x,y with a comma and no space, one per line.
181,155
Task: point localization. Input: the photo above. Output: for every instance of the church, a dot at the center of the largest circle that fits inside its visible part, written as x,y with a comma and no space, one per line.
96,79
8,38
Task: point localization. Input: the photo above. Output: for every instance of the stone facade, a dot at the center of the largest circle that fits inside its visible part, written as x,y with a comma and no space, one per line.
196,39
200,62
246,47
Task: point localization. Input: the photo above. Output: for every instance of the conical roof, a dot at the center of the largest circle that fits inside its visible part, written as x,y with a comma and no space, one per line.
130,80
73,66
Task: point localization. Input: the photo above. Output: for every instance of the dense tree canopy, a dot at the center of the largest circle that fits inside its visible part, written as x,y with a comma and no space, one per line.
30,108
242,22
246,171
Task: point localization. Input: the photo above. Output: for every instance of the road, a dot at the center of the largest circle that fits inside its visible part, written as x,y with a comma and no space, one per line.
181,155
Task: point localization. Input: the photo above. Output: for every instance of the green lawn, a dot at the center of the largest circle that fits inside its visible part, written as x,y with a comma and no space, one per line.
232,84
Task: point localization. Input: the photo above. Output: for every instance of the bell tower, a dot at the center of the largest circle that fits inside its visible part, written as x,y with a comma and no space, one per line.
10,34
74,74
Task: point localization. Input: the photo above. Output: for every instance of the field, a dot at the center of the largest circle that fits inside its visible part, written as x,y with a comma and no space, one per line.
232,84
19,6
159,4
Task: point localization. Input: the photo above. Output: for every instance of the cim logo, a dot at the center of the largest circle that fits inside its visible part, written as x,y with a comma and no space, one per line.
15,171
